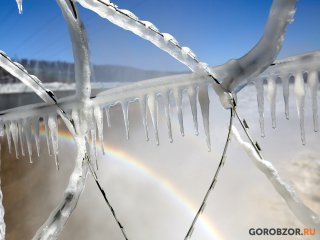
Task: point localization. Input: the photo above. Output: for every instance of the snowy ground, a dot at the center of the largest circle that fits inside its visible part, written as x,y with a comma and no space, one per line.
156,190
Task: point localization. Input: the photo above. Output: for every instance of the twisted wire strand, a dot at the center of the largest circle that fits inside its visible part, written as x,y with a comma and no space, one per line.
106,199
215,177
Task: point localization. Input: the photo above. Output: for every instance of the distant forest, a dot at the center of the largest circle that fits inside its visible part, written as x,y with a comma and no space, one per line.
58,71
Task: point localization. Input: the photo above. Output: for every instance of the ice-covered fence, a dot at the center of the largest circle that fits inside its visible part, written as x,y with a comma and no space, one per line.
84,116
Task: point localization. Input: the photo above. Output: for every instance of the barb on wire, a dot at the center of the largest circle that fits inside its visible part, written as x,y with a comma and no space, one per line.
256,146
215,177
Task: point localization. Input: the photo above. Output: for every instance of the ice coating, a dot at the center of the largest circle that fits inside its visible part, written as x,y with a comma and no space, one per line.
178,100
150,91
28,135
292,69
31,81
47,131
236,73
280,71
58,218
80,50
285,85
298,208
143,113
89,128
53,129
76,120
98,115
192,93
36,133
153,108
19,3
204,101
145,30
313,83
93,145
125,112
260,99
300,96
240,71
21,129
164,41
107,110
53,226
166,103
15,136
272,93
21,73
8,135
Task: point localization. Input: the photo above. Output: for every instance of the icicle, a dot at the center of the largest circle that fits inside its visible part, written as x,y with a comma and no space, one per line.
53,127
204,105
19,3
285,85
125,108
27,132
20,129
166,102
15,136
8,134
272,92
93,150
192,93
300,95
76,120
153,108
92,135
36,133
45,119
260,99
313,83
99,121
143,112
177,93
107,110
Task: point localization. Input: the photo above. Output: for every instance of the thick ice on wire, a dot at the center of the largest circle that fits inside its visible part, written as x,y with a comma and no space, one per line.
303,70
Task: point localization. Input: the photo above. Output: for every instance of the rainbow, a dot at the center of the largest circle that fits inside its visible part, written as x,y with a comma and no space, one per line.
165,185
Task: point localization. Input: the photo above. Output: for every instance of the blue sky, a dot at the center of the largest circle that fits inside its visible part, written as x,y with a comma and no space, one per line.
215,30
